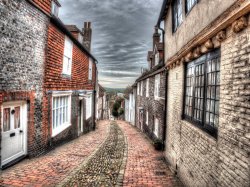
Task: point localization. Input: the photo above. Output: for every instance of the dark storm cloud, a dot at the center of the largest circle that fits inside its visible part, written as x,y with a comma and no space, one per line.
122,34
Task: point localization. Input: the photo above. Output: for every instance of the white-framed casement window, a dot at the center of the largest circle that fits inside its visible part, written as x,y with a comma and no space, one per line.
80,38
147,118
138,88
54,8
157,86
147,87
88,107
61,113
157,58
141,88
67,57
90,68
156,127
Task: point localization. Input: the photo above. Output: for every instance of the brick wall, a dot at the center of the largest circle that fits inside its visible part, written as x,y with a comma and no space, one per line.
45,5
154,107
22,50
200,159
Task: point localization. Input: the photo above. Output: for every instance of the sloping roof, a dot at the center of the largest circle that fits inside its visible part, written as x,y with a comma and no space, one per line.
164,10
72,28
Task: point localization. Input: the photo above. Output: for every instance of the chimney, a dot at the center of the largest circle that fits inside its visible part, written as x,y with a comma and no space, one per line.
87,35
156,38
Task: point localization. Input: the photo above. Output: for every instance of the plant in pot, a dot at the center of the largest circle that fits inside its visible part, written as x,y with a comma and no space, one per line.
158,144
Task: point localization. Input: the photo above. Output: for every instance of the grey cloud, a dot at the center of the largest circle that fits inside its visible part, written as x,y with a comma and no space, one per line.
122,34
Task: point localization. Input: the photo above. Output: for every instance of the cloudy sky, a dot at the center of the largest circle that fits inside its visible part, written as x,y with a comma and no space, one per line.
122,34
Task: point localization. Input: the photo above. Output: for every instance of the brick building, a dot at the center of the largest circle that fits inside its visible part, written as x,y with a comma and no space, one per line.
150,98
207,56
47,80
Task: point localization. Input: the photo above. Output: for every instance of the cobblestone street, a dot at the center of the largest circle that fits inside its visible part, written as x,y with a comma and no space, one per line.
116,154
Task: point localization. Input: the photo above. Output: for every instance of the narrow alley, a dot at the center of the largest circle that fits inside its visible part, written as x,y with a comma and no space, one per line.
116,154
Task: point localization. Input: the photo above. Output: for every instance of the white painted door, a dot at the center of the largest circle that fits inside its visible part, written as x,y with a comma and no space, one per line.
14,131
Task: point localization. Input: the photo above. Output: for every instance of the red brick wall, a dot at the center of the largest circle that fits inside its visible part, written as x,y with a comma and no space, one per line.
45,5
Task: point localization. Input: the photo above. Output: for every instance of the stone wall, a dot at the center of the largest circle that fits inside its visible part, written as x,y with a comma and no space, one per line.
23,31
155,107
199,158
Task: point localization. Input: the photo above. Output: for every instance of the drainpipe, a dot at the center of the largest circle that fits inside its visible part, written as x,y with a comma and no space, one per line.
166,86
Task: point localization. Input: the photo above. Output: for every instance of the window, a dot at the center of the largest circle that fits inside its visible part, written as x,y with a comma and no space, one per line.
90,68
61,111
141,88
80,38
190,4
138,88
156,127
88,107
147,88
147,118
157,59
202,91
177,14
67,58
157,86
54,9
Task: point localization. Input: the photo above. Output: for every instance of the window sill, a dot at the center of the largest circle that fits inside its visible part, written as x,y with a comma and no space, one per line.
208,131
57,131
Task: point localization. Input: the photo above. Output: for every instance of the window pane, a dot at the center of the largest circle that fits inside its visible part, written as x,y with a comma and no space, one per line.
6,119
17,117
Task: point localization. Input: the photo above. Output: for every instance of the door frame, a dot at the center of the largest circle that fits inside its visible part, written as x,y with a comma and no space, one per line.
24,122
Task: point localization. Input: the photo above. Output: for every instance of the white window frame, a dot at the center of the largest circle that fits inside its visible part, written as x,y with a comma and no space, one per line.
147,118
65,125
156,127
90,74
88,106
138,88
147,87
54,9
157,58
67,57
157,86
141,88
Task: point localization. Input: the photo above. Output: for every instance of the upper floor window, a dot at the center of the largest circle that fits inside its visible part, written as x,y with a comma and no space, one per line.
157,58
54,9
190,4
138,88
147,87
80,38
90,68
157,86
202,91
67,57
177,14
141,88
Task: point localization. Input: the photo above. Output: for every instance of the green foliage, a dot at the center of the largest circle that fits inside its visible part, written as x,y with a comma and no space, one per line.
116,106
115,113
121,111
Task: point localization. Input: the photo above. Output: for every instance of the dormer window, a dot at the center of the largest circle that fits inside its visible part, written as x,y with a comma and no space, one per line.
177,14
54,8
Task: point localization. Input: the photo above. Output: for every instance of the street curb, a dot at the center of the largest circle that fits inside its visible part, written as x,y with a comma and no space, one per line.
124,163
76,170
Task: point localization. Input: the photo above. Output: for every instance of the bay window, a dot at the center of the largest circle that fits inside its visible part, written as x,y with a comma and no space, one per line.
202,91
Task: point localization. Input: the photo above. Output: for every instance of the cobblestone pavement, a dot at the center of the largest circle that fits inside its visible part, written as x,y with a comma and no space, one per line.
103,167
53,167
145,166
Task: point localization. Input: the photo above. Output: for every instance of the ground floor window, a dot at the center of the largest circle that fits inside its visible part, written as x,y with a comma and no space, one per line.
202,91
61,113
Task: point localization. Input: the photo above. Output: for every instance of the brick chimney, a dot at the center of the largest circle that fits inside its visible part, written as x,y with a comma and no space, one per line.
87,35
156,37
